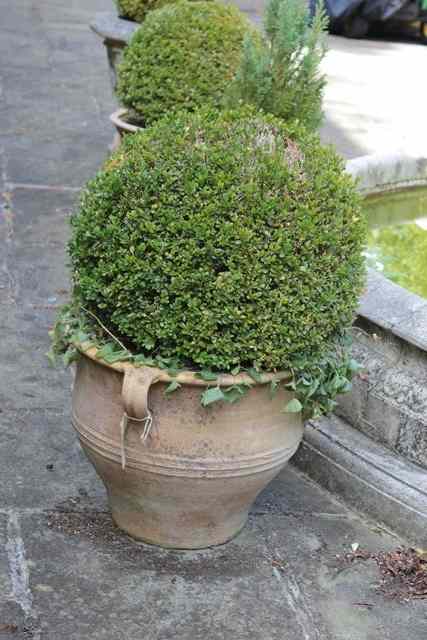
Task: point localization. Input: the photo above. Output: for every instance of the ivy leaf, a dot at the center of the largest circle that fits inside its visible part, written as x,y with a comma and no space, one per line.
109,354
173,371
173,386
80,337
118,356
148,343
212,394
207,375
235,371
274,385
255,375
141,359
313,388
69,356
234,393
163,363
105,351
294,406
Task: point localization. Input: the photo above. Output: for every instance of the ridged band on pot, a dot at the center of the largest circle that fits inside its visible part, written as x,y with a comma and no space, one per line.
189,479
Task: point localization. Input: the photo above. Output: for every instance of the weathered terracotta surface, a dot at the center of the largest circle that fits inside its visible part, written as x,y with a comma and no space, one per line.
192,481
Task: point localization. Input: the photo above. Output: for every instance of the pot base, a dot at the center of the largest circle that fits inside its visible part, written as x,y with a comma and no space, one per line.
178,512
190,545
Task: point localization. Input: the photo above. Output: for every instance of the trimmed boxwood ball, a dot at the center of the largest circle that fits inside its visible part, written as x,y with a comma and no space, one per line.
221,240
138,9
182,57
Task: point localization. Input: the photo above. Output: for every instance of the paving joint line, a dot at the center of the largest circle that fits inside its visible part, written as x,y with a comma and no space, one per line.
13,186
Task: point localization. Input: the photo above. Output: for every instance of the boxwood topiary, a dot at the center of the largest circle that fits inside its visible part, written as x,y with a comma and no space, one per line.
225,240
182,57
137,9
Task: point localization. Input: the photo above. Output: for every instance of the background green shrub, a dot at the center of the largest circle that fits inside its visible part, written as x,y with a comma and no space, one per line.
138,9
221,240
182,57
280,73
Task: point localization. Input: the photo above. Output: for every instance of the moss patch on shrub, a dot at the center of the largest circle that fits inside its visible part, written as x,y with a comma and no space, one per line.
182,57
221,240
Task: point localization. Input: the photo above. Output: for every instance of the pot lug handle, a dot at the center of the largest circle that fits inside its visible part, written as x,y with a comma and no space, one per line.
136,385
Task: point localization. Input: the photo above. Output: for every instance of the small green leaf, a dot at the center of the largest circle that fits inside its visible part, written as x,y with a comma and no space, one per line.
80,337
207,375
212,394
109,354
118,356
148,343
144,360
234,393
106,350
69,356
255,375
235,371
173,371
173,386
274,385
294,406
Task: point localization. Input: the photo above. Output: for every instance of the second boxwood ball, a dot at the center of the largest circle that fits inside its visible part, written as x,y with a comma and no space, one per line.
182,57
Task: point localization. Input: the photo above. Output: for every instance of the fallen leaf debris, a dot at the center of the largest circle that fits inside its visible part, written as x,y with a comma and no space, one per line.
403,571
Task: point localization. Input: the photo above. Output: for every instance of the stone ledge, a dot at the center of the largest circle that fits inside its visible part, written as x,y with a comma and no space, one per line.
367,476
379,173
394,308
114,29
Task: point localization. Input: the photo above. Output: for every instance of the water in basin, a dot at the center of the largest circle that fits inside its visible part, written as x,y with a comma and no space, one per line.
397,241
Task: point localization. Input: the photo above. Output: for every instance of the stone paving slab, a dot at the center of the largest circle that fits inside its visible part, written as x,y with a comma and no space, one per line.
280,579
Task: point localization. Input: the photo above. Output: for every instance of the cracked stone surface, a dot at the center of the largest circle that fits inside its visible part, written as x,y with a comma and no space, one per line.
65,570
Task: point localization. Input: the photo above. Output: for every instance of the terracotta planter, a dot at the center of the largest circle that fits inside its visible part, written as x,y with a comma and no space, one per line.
122,127
191,481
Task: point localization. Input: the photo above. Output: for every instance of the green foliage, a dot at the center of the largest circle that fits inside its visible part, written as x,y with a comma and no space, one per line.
182,57
280,74
317,384
138,9
221,241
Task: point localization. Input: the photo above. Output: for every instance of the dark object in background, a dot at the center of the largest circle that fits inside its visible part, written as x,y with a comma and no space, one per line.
356,18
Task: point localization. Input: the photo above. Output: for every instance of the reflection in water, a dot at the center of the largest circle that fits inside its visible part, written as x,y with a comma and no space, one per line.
397,242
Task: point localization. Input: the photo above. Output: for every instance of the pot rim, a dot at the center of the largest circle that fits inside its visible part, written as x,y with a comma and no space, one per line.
184,377
117,118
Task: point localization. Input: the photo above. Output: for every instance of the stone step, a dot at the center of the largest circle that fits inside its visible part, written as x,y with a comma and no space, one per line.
367,476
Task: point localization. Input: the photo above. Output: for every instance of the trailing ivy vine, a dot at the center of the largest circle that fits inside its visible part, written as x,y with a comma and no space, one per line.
315,387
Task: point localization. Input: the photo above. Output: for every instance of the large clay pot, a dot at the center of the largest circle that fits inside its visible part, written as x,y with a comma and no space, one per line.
190,482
